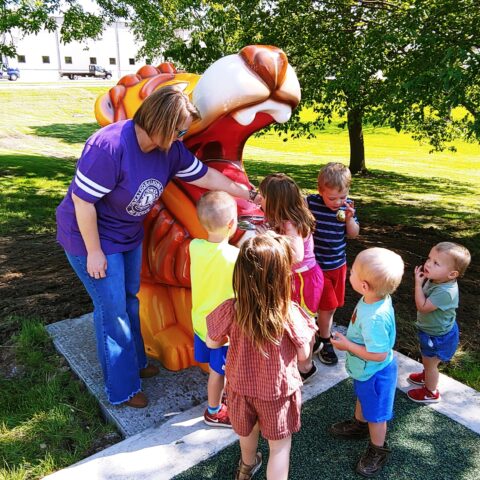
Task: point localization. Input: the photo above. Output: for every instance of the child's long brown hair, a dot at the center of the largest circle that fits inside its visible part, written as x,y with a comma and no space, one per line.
262,286
284,201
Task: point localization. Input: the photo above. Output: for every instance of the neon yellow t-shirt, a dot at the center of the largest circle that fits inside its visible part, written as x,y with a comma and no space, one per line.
211,274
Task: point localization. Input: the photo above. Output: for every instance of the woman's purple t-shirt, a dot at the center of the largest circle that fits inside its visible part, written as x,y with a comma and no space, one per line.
124,183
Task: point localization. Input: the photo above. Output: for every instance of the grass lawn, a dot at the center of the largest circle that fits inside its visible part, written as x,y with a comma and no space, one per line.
47,420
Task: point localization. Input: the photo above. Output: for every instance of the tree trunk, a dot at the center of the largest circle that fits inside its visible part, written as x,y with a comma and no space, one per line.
357,147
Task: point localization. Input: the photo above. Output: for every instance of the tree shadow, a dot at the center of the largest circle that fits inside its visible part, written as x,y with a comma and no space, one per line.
394,198
67,132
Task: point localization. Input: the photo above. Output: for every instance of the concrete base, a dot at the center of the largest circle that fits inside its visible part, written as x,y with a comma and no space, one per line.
169,393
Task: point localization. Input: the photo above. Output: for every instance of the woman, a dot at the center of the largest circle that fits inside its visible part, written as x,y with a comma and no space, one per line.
123,170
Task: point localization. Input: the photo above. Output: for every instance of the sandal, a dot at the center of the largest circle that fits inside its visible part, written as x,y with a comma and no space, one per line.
246,472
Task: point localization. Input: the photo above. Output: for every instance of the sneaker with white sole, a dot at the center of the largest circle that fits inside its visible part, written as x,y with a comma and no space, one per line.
423,395
306,377
219,419
417,378
327,354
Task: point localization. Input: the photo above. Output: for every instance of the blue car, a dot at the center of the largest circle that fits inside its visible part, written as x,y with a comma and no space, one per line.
9,72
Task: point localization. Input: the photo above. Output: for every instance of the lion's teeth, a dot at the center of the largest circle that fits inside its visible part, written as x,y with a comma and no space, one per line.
279,111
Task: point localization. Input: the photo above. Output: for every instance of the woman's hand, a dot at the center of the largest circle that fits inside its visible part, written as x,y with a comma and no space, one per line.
97,264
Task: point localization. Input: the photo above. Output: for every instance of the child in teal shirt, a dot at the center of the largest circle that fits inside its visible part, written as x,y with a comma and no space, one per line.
375,274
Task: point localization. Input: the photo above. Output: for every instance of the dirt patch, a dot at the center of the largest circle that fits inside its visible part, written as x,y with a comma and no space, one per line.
37,281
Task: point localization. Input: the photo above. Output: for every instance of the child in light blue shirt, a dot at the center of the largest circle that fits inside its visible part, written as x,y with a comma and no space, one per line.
375,274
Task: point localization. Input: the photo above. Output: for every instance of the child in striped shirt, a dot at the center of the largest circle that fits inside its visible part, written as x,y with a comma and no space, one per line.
336,221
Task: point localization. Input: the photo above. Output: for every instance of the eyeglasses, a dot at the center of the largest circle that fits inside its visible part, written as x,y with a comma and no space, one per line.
181,133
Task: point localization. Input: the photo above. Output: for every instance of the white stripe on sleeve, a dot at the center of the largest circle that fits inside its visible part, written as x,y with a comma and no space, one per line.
87,189
94,185
193,169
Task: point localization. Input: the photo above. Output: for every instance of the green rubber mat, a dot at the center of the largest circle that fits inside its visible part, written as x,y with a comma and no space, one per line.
426,445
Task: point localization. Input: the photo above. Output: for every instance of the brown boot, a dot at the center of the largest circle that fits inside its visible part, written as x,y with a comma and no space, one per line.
372,461
149,371
139,400
351,428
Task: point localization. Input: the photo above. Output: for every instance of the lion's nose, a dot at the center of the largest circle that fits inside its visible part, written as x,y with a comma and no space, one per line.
268,62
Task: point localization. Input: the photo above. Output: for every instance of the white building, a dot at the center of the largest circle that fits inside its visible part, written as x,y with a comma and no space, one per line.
41,57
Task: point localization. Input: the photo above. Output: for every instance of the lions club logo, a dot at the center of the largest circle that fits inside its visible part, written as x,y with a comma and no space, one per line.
147,194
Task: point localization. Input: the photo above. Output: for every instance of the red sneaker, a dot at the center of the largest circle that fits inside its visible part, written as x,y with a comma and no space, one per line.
417,378
219,419
423,395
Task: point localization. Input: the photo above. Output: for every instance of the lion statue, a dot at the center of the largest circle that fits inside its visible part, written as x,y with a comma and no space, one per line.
236,96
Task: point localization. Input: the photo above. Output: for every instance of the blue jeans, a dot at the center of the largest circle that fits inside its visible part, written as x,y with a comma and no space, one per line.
120,347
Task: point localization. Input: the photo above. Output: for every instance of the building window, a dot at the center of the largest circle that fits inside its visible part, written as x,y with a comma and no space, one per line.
131,61
68,60
93,60
148,61
21,58
113,61
45,59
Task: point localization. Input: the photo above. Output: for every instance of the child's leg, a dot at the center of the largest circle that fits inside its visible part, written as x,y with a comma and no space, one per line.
306,365
430,364
378,432
249,445
358,412
325,321
279,459
216,384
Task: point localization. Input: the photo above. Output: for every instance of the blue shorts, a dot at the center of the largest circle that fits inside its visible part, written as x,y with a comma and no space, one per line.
215,357
441,346
377,394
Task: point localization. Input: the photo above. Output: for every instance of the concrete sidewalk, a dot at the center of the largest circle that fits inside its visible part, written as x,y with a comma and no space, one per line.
169,436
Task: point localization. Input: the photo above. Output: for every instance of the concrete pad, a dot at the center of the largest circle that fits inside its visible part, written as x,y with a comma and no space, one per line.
169,392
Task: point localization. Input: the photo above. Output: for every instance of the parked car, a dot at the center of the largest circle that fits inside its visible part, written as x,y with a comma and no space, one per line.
9,72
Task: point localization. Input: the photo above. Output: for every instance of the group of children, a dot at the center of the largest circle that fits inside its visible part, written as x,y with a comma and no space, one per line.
259,303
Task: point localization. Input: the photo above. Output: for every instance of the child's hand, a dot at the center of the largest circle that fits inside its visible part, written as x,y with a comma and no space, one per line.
349,209
340,341
419,275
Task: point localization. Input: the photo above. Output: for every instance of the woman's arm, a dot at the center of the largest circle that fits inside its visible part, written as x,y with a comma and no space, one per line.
87,223
214,180
341,342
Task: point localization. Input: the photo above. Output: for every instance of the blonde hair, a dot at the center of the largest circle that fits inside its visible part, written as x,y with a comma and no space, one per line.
284,201
334,175
215,210
460,255
162,112
262,286
382,269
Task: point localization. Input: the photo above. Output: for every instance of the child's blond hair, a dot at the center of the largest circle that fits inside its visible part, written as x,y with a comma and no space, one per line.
262,286
215,210
284,202
460,255
334,175
382,269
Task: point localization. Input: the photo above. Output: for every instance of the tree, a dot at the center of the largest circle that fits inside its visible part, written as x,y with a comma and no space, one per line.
405,64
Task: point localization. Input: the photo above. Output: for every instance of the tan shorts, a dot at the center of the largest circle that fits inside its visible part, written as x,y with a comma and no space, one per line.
277,419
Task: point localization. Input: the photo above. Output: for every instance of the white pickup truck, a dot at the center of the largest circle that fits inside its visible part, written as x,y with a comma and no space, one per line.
95,71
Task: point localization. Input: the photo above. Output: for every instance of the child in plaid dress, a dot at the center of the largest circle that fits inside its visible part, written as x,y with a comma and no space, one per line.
268,334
